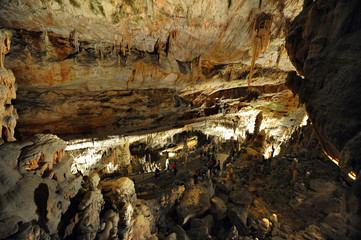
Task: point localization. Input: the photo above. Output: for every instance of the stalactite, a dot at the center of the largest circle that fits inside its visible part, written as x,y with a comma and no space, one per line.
262,25
170,42
74,40
45,39
200,64
142,48
266,33
101,54
123,46
260,4
118,61
5,41
114,49
231,74
280,52
257,123
130,43
255,52
158,48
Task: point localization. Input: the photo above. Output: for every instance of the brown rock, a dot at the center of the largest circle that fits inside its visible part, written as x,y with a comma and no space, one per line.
238,217
195,202
120,191
242,197
218,209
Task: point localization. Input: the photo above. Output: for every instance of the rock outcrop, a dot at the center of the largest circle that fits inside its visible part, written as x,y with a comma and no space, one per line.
8,114
36,186
324,45
195,202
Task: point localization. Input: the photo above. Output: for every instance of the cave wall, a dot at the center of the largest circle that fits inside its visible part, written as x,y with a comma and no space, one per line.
8,114
324,45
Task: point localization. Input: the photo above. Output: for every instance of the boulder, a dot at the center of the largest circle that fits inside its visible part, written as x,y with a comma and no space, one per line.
181,234
201,227
242,197
119,192
140,228
232,234
238,216
218,209
195,202
110,219
172,236
147,213
168,201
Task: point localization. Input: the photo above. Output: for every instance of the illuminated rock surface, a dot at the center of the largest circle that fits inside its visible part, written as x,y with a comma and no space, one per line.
99,68
134,87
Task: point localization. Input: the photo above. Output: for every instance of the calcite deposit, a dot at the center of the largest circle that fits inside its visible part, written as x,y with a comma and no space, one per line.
8,114
37,186
140,119
100,68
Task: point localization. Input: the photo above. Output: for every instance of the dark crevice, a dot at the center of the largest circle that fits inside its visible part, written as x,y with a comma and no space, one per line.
41,196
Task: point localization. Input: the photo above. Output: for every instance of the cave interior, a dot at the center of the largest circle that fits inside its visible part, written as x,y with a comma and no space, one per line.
142,119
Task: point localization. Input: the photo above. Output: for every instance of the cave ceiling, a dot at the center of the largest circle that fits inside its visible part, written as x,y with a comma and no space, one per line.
94,68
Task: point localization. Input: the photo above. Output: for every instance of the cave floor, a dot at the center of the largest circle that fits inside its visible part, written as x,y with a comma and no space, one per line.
303,192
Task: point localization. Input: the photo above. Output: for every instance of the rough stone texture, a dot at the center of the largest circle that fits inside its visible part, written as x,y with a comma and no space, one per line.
81,113
238,217
90,208
29,196
120,192
201,227
111,220
168,201
128,67
125,220
146,211
218,31
8,114
140,227
232,234
172,236
242,197
196,201
218,209
181,234
324,45
42,155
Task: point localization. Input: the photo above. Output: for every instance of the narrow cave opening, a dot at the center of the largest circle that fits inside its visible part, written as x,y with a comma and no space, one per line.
41,196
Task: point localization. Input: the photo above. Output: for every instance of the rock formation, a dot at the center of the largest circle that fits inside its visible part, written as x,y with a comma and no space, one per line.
179,120
36,186
8,114
143,66
324,46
